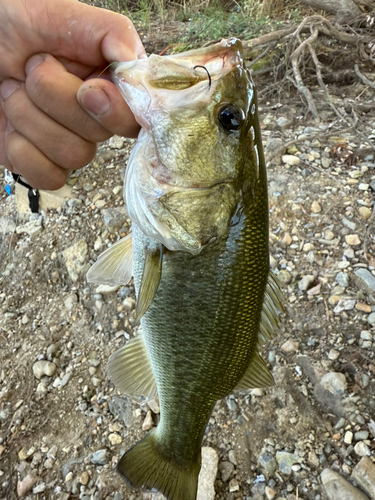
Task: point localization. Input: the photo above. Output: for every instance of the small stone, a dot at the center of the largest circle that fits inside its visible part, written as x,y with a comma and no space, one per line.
290,346
342,279
100,457
305,282
366,335
362,449
284,276
100,203
267,463
365,212
107,289
41,368
24,486
349,223
114,439
285,461
84,478
71,301
348,437
233,485
360,306
333,354
69,477
39,488
365,280
232,457
226,469
307,247
337,488
349,253
114,218
74,203
352,239
270,493
334,382
207,474
148,422
65,379
129,304
287,240
326,162
291,160
315,207
75,258
363,186
361,435
42,388
364,475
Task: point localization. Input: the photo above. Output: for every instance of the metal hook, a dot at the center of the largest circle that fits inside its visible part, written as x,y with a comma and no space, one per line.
209,76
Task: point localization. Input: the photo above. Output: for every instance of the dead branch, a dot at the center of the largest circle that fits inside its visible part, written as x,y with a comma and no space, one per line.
365,80
297,74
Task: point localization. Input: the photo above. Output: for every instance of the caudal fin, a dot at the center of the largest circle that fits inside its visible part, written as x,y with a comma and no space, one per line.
144,466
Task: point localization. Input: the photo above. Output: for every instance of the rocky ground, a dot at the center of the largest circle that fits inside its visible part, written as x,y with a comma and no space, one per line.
63,426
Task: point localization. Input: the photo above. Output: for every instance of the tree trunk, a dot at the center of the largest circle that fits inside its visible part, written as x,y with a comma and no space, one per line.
345,10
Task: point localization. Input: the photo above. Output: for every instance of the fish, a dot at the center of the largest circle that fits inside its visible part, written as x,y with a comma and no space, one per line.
196,192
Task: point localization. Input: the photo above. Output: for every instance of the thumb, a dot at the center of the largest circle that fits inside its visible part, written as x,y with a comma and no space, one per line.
89,35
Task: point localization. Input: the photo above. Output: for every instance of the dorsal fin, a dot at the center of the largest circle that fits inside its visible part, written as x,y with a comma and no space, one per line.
272,308
257,374
130,370
114,265
150,280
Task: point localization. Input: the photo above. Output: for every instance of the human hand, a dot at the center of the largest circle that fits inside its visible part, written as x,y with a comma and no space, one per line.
50,120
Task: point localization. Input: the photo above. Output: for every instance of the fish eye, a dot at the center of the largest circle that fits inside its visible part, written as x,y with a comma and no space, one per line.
231,117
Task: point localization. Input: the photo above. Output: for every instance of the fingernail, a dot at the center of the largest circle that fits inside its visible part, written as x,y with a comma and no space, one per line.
8,87
95,100
33,62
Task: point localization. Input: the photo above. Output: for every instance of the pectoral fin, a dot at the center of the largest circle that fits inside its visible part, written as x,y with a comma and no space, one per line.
150,280
130,370
114,265
257,375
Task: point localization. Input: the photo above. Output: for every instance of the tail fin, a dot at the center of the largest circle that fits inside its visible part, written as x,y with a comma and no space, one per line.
144,466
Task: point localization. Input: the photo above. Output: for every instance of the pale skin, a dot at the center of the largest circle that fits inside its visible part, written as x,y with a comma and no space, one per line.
53,111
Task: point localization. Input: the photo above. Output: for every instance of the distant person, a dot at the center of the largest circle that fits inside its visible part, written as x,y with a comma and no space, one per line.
50,117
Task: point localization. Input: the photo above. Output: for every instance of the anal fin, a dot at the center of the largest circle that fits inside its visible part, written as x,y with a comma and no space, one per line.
256,375
130,370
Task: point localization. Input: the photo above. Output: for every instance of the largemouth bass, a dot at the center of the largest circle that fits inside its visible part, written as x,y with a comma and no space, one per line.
196,191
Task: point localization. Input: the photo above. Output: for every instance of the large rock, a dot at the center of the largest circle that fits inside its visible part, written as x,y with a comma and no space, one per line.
114,218
338,488
364,476
207,475
334,382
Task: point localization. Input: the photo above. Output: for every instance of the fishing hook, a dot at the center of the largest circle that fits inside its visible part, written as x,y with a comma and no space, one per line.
209,76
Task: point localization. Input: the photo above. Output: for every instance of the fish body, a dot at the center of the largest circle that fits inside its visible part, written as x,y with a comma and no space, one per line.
196,190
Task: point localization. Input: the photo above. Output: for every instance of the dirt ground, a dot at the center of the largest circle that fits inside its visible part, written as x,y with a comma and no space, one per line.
321,235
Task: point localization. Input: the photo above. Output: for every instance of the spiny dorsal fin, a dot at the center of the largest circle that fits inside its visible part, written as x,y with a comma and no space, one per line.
257,375
114,265
150,280
130,370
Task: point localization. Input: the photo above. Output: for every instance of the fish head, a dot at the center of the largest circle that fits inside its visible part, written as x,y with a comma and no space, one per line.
197,112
